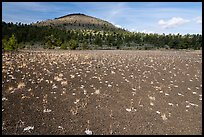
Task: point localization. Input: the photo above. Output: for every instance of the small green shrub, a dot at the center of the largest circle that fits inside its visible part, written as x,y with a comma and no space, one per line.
63,46
72,44
51,42
11,44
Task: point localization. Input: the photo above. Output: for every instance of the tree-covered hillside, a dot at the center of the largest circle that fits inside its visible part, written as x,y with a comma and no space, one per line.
53,37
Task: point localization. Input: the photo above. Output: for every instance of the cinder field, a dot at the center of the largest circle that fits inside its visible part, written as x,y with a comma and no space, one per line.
98,92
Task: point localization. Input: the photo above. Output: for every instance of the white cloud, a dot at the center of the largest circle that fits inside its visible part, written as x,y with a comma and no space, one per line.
132,30
173,22
143,31
146,31
199,20
118,26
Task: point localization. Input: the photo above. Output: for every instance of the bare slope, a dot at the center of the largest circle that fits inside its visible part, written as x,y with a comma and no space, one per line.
78,21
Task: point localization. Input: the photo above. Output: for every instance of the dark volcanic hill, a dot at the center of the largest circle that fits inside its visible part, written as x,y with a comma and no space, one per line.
78,21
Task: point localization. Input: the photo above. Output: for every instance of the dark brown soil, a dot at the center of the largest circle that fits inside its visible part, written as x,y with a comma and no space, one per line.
102,92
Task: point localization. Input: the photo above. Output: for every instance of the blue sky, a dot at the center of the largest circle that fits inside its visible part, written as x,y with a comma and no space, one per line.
148,17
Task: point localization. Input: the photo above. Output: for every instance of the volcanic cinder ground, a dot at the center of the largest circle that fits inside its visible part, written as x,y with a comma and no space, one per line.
102,92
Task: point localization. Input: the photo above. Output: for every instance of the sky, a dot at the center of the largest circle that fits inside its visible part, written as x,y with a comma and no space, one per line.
147,17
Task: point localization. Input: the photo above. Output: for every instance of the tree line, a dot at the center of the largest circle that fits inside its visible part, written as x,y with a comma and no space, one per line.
23,35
